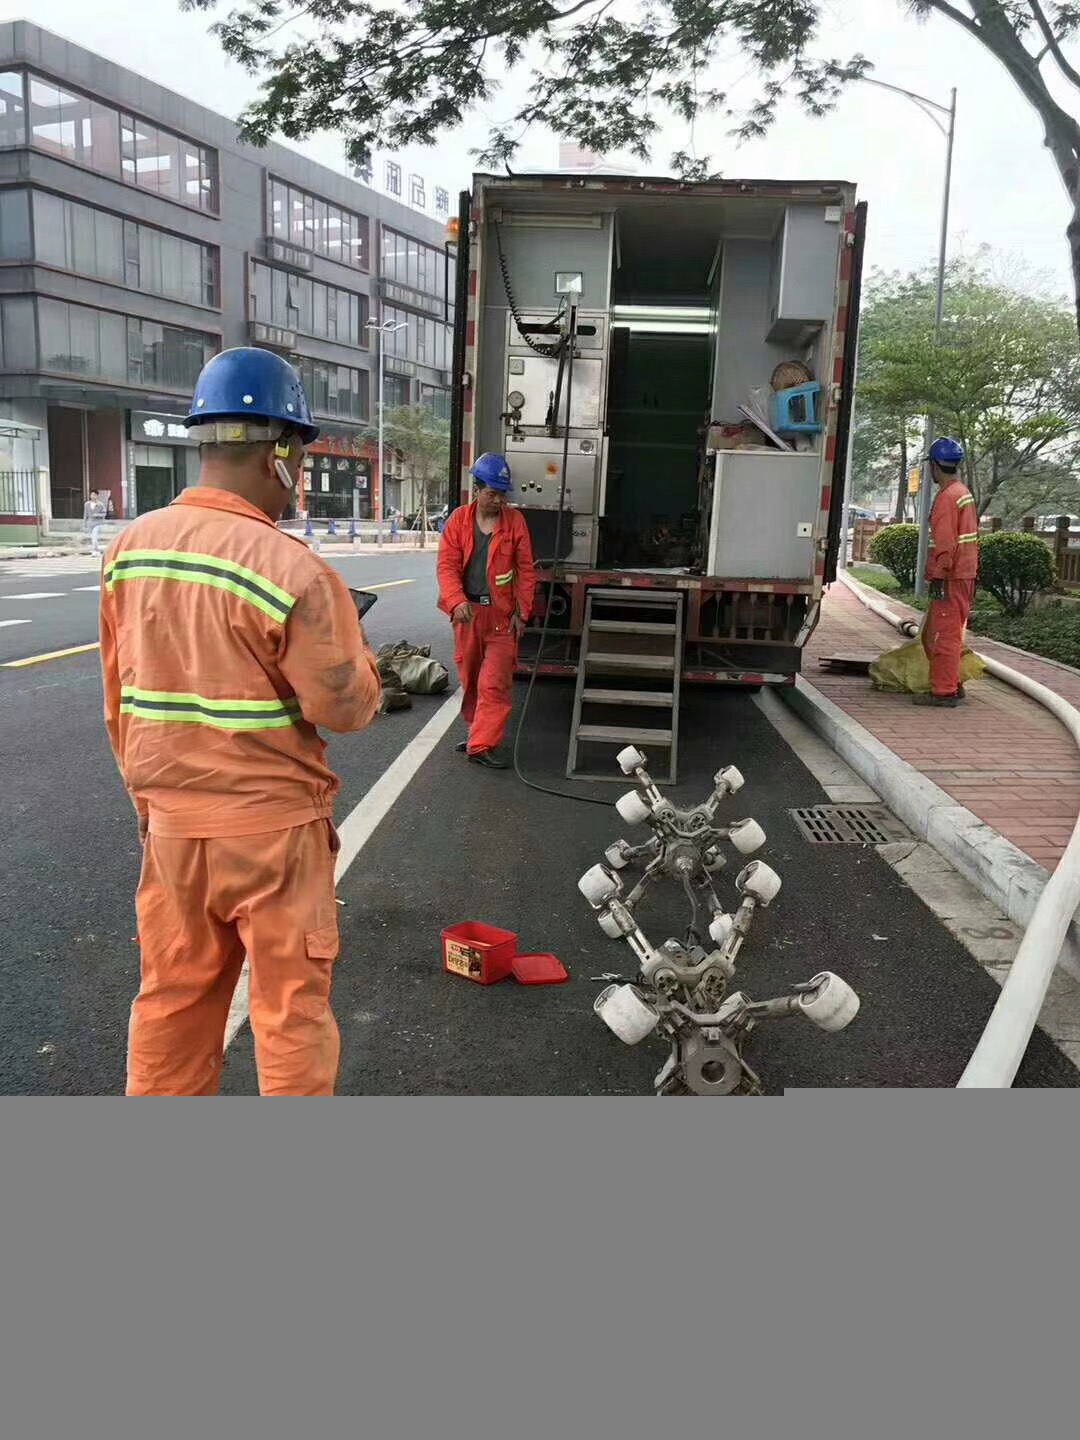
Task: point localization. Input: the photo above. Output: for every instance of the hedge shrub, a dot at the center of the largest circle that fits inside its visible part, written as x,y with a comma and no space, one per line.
897,548
1014,568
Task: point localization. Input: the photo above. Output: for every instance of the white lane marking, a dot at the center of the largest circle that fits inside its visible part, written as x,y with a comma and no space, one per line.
95,588
35,595
360,824
14,622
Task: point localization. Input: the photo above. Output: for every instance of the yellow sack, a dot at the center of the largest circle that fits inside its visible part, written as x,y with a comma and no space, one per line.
907,670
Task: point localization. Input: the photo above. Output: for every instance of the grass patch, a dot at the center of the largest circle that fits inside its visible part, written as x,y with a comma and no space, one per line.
1052,632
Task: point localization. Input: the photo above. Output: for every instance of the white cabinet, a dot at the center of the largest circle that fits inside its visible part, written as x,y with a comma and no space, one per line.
804,271
766,509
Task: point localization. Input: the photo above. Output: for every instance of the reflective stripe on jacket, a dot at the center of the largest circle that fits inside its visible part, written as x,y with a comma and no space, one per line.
224,643
511,576
954,535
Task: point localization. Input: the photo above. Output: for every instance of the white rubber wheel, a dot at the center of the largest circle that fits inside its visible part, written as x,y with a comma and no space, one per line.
609,925
730,780
633,808
747,836
759,881
615,855
721,928
832,1005
598,886
630,759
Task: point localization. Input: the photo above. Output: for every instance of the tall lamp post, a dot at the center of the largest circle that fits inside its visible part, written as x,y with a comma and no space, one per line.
932,109
385,328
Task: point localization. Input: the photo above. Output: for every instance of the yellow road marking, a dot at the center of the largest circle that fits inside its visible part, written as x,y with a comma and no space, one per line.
52,655
84,649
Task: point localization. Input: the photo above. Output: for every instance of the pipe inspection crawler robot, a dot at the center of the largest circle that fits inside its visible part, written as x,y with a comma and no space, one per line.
682,989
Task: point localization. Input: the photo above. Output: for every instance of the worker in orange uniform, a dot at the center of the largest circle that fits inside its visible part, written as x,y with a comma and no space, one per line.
951,568
224,643
486,586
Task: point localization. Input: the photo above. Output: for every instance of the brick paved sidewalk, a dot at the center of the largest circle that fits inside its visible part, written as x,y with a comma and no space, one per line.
1001,754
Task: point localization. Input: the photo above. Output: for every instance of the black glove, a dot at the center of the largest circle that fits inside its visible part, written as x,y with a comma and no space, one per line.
937,590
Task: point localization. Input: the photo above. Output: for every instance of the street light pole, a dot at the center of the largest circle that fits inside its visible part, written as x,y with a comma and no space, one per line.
927,480
384,328
929,107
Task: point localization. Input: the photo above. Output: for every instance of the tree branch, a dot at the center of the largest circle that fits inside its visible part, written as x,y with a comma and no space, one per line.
1053,45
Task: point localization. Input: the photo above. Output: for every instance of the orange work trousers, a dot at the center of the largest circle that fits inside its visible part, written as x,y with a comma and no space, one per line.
203,904
943,635
484,653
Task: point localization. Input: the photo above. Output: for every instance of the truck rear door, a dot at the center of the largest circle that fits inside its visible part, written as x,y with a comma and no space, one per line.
461,322
852,262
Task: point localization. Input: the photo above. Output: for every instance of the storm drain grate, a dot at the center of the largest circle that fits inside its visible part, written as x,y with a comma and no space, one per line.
849,825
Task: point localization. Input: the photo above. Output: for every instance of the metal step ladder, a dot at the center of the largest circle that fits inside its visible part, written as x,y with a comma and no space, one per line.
633,640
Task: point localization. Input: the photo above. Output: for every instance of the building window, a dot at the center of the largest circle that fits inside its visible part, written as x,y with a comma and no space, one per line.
436,399
334,390
296,303
101,246
422,340
397,391
75,127
78,340
18,345
410,262
393,178
309,223
12,108
15,225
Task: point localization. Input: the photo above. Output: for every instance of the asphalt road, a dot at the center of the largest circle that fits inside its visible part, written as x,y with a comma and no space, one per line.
459,844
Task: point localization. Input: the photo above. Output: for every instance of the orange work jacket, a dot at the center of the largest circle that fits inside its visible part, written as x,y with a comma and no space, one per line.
511,575
224,643
954,535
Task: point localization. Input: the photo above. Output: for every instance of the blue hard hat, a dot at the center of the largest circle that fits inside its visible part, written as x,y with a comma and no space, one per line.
253,384
947,452
493,471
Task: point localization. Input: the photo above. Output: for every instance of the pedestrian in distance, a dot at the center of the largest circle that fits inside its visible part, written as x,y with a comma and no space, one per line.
486,585
94,512
225,642
952,568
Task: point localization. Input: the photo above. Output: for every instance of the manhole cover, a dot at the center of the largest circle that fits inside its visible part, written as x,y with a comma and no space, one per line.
849,825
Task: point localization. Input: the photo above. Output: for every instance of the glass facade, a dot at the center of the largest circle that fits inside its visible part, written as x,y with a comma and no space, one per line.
334,390
406,261
309,223
102,246
15,241
101,345
310,308
18,345
73,126
422,340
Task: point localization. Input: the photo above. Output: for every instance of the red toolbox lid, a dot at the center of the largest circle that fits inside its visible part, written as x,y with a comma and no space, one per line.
542,969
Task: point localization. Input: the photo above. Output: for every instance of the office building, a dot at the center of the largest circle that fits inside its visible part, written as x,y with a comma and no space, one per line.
138,237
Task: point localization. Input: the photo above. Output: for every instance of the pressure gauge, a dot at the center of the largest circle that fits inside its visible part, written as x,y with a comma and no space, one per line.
515,400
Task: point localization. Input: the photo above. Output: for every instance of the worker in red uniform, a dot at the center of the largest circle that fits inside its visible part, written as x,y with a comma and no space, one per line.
486,586
951,568
224,643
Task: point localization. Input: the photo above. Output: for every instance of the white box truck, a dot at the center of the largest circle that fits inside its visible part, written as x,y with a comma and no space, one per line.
630,345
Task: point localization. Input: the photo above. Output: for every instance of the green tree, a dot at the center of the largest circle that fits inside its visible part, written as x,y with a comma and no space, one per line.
1004,379
422,441
394,75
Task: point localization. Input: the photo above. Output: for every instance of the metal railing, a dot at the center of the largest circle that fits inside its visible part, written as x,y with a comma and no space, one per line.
18,492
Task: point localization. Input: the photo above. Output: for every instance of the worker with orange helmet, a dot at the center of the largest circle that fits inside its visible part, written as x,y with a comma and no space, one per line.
952,567
486,585
224,643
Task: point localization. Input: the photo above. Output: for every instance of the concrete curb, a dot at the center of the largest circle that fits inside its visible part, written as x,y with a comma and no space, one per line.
1007,877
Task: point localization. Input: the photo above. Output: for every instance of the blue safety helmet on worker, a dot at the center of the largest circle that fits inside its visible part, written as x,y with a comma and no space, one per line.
492,471
947,453
251,387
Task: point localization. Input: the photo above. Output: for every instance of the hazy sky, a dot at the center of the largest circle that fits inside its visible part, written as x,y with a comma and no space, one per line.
1005,188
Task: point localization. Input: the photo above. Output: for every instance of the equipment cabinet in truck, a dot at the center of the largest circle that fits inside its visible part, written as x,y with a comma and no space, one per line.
668,368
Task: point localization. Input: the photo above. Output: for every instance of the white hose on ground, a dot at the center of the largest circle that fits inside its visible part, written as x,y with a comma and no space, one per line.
1001,1048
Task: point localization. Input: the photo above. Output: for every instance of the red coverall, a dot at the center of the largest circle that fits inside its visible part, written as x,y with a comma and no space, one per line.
954,558
486,647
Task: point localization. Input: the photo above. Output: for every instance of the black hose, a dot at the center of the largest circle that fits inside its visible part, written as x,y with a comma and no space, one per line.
549,351
533,784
